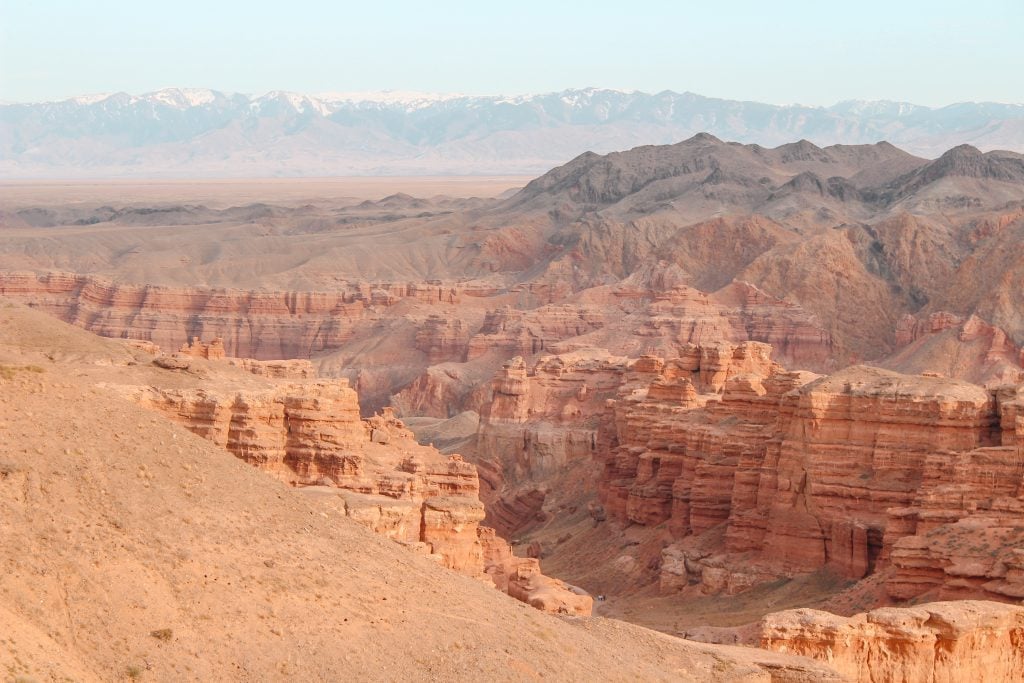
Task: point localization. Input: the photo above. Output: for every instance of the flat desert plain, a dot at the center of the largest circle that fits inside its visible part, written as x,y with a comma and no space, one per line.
222,193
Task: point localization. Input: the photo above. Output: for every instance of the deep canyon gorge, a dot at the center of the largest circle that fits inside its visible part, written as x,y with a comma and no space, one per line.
766,398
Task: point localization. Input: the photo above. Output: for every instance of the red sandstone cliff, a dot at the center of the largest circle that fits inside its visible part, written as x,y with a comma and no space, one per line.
308,432
539,428
757,472
942,641
854,472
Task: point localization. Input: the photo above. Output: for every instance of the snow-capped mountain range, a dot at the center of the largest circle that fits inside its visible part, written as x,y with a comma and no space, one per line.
181,132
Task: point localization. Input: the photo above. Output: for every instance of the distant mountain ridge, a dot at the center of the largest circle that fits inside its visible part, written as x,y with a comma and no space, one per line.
181,132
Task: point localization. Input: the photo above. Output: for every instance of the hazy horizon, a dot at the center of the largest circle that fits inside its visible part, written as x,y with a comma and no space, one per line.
927,53
382,95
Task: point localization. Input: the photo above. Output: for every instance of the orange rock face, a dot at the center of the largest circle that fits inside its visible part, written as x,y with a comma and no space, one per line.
309,433
521,578
942,641
862,471
537,424
253,324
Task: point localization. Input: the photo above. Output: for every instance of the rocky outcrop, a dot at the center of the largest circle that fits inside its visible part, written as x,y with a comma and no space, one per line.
663,314
297,368
294,368
250,324
964,348
671,459
910,328
424,347
759,472
855,447
310,434
521,578
962,534
538,424
213,350
443,339
943,641
512,332
442,390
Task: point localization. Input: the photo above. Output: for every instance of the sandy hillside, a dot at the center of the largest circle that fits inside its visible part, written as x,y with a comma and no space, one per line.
132,549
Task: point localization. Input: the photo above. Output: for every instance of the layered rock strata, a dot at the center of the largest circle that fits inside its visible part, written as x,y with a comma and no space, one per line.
252,324
942,641
310,434
539,423
860,471
521,578
524,333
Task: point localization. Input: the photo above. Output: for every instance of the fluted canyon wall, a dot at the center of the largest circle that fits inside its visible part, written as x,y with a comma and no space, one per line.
757,472
540,425
859,471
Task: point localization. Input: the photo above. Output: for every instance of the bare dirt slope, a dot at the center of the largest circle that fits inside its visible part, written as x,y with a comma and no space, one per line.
132,549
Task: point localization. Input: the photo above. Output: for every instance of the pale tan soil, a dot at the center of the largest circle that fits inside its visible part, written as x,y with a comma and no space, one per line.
133,549
222,193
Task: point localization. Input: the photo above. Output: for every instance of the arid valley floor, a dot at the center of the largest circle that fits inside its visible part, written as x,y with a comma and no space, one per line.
703,411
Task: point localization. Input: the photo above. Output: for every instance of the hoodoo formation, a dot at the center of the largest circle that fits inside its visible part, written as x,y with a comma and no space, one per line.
768,399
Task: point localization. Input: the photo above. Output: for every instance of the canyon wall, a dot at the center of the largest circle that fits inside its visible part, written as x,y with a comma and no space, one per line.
427,346
308,432
756,472
251,324
942,641
541,426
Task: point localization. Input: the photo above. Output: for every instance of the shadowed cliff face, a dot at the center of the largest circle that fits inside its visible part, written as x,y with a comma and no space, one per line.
746,472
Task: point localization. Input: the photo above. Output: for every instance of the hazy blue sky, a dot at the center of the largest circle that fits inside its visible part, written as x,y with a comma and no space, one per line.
812,52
